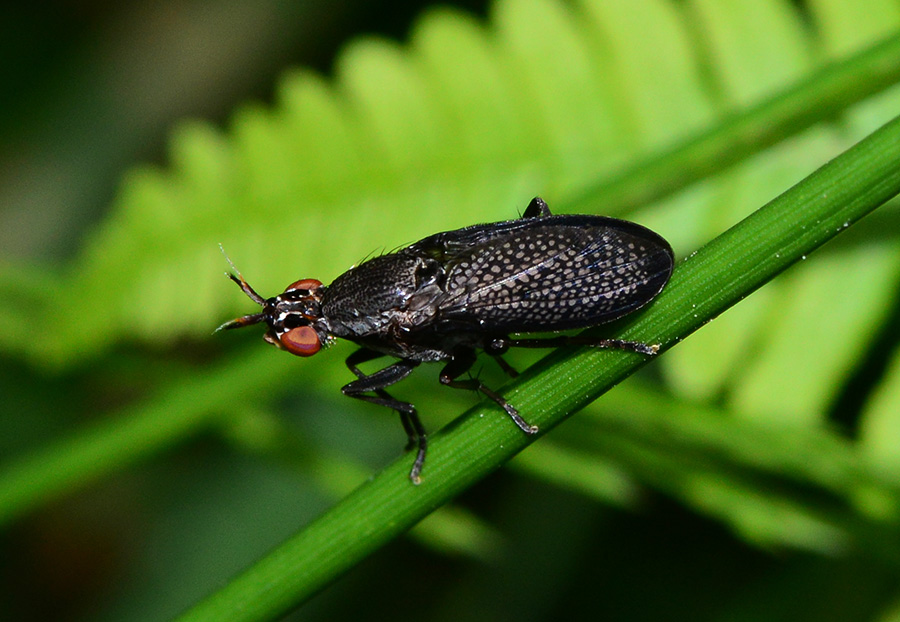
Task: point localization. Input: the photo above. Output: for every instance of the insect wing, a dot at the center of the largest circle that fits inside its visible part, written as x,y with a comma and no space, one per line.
556,273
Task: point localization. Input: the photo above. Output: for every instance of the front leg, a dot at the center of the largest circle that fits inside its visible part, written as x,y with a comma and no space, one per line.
376,383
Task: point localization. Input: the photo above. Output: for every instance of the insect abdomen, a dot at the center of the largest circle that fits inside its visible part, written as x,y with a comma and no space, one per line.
554,275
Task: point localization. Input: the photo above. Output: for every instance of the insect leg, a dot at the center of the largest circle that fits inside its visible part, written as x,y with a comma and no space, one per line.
376,383
462,361
414,430
496,347
580,340
359,357
506,367
538,208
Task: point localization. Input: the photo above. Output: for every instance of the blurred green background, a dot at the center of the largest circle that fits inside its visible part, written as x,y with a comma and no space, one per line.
750,473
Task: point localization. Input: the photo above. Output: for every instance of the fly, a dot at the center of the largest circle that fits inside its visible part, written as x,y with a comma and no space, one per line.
452,294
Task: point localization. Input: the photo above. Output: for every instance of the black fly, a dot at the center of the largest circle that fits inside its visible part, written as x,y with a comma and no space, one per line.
453,293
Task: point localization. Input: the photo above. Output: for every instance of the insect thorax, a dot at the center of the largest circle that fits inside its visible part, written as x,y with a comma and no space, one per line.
383,299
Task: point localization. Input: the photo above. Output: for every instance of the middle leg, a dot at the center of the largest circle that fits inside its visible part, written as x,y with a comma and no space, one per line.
462,361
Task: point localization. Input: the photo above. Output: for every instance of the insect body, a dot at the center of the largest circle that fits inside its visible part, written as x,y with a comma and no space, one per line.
454,293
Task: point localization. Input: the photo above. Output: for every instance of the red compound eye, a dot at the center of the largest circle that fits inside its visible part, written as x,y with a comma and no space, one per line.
302,341
310,284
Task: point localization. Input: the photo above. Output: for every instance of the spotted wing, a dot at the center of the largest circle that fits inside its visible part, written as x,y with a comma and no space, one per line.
554,274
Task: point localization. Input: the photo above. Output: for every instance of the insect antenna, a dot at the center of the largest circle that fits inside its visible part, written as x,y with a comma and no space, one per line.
247,320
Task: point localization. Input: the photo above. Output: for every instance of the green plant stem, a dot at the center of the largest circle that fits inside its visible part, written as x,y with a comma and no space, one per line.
717,276
833,89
